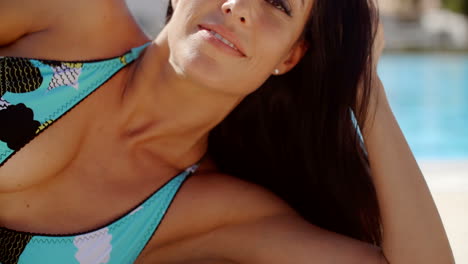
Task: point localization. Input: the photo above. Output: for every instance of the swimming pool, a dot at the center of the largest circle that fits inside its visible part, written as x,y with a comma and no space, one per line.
429,96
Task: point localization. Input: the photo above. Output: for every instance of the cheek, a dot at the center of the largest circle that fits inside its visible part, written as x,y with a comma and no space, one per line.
274,35
272,45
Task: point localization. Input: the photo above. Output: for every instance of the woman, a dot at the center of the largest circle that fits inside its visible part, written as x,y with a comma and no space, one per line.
91,144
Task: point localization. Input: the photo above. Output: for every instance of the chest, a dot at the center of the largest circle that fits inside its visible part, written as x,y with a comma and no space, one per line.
60,168
122,239
43,128
71,153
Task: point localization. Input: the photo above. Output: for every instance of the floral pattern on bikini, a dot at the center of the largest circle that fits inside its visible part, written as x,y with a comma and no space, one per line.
12,245
18,76
65,74
35,93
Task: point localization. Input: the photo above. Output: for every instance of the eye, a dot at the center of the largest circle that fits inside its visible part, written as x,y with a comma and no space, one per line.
279,4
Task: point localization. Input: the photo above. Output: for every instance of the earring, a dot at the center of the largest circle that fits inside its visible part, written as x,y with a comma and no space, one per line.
276,71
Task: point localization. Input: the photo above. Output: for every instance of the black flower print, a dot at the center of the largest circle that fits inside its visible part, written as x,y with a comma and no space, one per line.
18,126
12,244
18,75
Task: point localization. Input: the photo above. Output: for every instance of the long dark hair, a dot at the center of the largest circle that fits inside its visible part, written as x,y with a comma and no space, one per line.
297,135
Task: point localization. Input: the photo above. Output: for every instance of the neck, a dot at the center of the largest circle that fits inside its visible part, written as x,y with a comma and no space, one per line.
167,114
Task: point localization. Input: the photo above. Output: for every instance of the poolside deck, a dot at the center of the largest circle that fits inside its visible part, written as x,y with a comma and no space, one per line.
448,182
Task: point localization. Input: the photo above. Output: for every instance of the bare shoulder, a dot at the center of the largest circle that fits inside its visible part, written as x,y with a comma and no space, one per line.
52,29
21,17
228,220
237,199
207,202
212,200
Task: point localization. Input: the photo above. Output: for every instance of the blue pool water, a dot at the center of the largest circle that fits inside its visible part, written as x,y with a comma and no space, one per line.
429,96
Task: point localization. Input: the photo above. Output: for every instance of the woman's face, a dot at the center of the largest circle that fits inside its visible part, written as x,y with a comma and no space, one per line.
235,45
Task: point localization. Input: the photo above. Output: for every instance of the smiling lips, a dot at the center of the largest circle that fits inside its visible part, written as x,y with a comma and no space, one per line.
224,36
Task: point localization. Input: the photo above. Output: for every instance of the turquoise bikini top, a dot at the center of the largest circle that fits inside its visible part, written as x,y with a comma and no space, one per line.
33,95
36,93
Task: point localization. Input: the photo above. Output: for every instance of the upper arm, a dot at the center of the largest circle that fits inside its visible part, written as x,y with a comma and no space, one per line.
21,17
290,239
261,228
248,225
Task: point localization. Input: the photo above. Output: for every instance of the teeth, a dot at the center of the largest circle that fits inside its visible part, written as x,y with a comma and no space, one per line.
225,41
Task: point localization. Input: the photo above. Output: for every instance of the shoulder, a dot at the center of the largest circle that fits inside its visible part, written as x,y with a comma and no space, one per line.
49,29
206,202
234,221
244,200
27,16
212,200
19,18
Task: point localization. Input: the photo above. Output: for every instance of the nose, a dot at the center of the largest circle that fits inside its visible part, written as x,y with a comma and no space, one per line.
238,9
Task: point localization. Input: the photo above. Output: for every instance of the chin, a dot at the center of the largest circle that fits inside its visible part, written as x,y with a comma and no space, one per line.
200,65
204,71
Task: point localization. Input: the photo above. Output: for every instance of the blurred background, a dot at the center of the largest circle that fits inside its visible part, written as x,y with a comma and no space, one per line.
425,72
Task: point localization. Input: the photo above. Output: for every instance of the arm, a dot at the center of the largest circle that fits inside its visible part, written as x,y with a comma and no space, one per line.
413,230
232,221
287,238
19,18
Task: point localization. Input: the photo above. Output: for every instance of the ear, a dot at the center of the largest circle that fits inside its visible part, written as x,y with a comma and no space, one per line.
293,57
